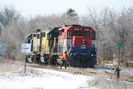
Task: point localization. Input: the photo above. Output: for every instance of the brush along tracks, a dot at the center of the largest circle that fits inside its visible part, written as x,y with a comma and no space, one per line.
69,69
92,72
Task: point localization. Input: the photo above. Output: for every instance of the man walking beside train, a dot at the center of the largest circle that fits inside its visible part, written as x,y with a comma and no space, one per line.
64,58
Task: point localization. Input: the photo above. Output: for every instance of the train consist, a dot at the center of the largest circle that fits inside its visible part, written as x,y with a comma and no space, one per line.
77,40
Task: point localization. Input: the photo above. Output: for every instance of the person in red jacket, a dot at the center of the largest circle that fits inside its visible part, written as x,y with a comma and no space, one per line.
64,58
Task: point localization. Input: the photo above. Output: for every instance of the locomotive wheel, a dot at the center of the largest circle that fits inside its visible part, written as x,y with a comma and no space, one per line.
30,60
42,60
90,63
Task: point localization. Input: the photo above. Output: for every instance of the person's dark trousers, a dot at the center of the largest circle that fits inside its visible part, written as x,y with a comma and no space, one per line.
63,63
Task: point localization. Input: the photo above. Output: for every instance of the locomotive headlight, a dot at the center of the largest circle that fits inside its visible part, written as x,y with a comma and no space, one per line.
91,54
71,54
74,53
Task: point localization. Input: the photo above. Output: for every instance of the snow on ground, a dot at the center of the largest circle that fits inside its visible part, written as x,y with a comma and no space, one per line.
44,79
12,77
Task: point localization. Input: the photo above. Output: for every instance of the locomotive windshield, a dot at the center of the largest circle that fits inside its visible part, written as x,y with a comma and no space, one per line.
76,33
85,34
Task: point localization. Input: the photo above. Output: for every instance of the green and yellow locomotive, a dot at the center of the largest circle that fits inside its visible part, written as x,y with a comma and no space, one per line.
43,46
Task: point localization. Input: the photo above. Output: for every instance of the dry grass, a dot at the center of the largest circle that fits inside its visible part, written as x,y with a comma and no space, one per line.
5,67
16,68
103,83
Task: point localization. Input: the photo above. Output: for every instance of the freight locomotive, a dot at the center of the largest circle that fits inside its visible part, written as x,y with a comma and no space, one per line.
77,40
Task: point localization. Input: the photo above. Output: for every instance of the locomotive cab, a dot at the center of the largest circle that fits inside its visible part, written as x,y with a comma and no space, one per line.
34,40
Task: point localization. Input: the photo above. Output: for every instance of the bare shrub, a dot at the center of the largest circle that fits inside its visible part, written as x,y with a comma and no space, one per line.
6,67
101,82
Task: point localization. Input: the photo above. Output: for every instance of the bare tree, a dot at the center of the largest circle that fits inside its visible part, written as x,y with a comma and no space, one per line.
50,21
100,21
112,27
122,31
14,35
8,14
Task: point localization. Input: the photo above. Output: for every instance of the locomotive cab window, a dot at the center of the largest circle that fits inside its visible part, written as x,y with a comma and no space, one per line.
61,31
85,34
50,36
92,35
55,34
43,34
69,34
76,33
29,39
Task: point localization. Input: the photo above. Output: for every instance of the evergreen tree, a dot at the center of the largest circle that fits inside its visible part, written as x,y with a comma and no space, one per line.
71,13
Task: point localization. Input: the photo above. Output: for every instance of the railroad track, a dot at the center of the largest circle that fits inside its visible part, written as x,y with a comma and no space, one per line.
83,71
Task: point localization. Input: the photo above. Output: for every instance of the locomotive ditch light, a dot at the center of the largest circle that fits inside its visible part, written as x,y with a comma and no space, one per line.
74,53
71,54
92,55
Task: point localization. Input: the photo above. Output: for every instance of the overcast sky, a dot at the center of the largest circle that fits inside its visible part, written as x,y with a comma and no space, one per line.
34,7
